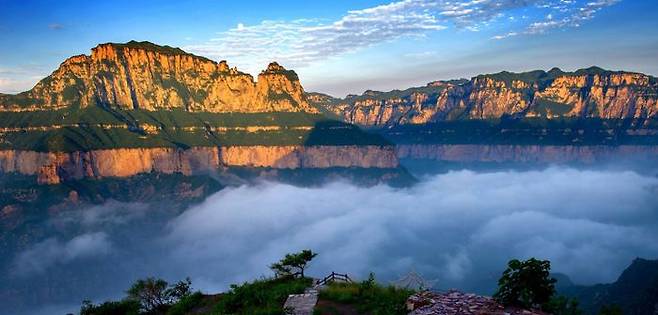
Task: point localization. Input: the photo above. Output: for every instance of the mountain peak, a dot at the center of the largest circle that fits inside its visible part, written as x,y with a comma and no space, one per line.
275,67
146,45
146,76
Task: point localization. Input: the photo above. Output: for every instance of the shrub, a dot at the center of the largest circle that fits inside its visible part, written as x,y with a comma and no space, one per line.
125,307
562,305
186,304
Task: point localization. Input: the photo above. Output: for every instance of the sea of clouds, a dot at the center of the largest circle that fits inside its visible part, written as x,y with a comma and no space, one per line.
458,228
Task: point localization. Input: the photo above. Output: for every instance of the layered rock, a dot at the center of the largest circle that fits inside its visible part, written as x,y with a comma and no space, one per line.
593,92
141,75
524,153
55,167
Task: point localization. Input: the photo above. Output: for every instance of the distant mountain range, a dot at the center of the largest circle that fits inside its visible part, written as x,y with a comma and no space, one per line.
586,93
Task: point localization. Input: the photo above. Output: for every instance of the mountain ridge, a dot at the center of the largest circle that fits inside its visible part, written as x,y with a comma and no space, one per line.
585,93
143,75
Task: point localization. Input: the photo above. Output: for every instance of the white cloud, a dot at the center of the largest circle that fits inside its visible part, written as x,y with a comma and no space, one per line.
20,78
460,227
52,251
572,14
299,43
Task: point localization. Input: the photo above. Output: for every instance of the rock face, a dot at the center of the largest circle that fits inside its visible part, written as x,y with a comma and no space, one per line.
141,75
524,153
53,168
592,92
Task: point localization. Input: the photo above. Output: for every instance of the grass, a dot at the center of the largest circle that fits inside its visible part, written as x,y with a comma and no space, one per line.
260,297
366,297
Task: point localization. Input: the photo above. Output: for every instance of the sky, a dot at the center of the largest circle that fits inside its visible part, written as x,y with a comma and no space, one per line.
341,47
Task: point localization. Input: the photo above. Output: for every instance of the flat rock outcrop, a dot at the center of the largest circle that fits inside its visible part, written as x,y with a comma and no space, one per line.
458,303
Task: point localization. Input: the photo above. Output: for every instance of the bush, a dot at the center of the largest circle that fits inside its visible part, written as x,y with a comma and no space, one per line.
186,304
125,307
526,284
562,305
368,296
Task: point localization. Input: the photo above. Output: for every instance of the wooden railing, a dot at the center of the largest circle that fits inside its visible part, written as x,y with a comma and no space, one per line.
334,277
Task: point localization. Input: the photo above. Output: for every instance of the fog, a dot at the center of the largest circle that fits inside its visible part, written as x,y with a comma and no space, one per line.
458,228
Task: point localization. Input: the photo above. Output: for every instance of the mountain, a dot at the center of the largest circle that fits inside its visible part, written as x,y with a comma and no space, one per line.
138,107
142,75
586,93
635,291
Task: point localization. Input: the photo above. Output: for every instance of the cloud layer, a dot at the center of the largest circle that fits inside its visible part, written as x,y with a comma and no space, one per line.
459,228
299,43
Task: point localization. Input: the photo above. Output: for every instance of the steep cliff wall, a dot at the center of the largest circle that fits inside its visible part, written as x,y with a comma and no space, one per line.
52,168
592,92
141,75
525,153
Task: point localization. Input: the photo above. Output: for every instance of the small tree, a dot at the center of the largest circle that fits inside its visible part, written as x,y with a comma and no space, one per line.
526,283
293,264
155,294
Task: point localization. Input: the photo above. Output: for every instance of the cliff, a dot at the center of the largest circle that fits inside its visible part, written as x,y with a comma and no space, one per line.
142,75
543,154
55,167
586,93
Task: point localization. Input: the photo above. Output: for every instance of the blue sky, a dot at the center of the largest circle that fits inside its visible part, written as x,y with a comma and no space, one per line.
341,47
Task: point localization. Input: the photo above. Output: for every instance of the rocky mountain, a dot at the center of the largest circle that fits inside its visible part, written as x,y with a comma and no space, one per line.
635,291
138,107
586,93
142,75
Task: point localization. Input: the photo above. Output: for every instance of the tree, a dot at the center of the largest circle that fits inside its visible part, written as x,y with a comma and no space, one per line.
526,283
562,305
155,294
293,264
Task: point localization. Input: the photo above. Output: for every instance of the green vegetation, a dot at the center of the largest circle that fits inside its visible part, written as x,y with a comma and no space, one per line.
526,283
529,131
96,115
148,296
293,265
105,128
432,91
562,305
545,107
367,297
166,50
265,296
